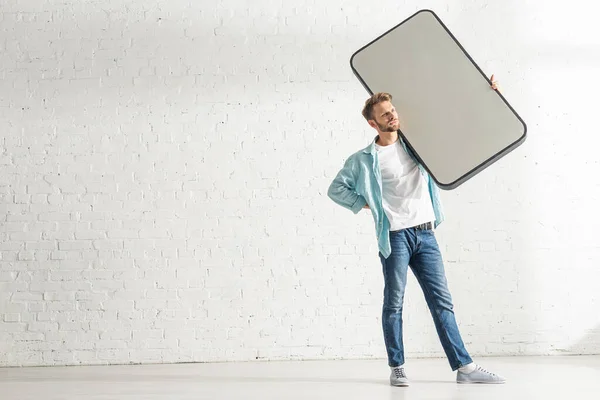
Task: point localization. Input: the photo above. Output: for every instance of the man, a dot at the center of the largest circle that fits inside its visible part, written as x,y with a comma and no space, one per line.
404,201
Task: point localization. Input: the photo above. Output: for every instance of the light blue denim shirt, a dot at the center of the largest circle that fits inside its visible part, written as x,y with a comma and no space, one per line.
359,183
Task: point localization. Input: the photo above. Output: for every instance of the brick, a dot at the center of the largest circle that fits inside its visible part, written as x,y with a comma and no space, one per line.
12,317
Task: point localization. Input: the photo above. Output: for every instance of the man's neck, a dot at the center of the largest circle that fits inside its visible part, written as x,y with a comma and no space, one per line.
387,138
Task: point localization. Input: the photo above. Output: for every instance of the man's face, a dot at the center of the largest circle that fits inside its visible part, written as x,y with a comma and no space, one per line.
386,117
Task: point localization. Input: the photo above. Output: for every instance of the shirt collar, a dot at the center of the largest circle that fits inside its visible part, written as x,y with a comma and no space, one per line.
370,149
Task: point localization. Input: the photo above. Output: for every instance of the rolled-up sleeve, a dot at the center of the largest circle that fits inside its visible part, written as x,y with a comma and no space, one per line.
342,189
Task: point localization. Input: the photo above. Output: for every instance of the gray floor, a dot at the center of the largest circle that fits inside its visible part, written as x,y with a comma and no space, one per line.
528,378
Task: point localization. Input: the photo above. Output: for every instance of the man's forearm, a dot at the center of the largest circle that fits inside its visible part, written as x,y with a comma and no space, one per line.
346,197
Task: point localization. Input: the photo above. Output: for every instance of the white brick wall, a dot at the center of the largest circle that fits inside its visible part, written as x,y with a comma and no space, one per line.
164,168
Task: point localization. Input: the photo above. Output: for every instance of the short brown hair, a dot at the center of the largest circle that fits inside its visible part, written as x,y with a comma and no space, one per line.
375,99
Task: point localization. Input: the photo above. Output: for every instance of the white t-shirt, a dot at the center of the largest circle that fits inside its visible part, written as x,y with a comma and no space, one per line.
406,199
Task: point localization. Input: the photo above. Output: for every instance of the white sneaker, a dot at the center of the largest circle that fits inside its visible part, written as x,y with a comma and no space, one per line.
398,377
480,375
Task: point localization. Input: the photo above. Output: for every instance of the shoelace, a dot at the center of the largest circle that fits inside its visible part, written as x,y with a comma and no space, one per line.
485,371
399,372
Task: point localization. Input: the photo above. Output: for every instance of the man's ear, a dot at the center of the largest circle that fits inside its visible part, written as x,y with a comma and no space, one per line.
372,124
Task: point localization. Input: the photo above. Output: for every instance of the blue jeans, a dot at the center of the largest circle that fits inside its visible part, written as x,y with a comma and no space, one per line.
419,249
